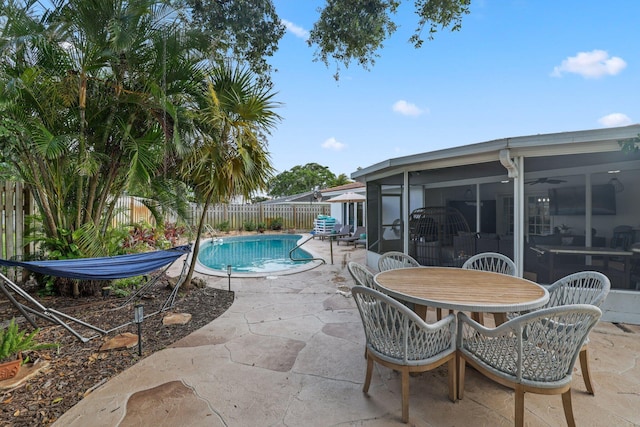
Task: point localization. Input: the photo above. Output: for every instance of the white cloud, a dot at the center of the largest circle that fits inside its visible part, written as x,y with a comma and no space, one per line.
333,144
295,29
406,108
615,119
594,64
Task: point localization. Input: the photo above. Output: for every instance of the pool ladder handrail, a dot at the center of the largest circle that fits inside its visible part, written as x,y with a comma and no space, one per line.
211,231
304,259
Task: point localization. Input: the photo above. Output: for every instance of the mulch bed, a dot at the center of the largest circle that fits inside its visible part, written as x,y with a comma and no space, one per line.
77,368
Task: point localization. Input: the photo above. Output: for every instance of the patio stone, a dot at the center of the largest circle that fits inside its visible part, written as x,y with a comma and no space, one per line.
290,351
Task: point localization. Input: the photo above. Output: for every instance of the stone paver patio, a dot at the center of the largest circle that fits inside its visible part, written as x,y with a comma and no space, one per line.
289,352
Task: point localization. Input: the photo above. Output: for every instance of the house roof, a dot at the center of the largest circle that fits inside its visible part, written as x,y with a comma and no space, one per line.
578,142
308,196
352,186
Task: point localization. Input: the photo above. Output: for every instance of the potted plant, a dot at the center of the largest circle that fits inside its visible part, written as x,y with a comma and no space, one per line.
261,226
564,229
13,342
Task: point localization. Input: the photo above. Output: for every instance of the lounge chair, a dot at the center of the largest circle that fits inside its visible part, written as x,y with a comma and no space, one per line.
353,237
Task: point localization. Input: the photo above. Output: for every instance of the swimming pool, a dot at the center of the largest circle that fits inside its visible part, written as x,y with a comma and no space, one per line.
259,254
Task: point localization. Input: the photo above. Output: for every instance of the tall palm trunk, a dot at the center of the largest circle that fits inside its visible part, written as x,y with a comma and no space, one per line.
196,244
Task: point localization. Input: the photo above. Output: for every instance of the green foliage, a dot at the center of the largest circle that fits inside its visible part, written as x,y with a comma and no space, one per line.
438,14
89,109
61,247
249,225
124,287
115,238
49,287
14,341
354,30
301,179
630,145
88,114
259,199
224,226
276,223
226,23
341,179
230,157
261,226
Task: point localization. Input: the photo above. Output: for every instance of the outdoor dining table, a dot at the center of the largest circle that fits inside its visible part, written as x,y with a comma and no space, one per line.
462,290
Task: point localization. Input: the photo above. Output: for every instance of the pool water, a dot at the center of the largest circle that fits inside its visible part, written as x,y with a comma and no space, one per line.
253,254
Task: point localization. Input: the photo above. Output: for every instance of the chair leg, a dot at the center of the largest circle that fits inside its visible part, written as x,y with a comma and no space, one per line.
519,397
461,367
421,311
586,373
453,391
405,395
499,318
438,314
367,380
478,317
568,409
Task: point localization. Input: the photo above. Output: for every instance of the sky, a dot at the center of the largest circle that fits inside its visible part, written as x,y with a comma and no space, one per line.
516,68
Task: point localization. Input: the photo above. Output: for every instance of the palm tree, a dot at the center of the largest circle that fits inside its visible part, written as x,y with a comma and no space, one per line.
94,97
341,179
229,156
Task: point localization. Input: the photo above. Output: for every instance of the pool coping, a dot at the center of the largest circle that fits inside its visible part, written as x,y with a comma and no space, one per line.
202,269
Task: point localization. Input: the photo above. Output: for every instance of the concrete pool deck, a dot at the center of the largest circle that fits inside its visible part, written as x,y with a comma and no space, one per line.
289,352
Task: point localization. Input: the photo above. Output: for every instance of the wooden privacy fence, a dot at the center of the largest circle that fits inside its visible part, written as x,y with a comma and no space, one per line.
298,216
17,203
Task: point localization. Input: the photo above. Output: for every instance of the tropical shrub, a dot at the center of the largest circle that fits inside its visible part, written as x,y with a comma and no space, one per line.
224,226
14,341
276,223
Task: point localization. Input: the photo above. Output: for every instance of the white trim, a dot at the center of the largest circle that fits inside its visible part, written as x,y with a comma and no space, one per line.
621,306
586,141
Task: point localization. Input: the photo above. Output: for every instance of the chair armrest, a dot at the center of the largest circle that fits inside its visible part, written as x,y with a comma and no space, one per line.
431,340
468,328
540,346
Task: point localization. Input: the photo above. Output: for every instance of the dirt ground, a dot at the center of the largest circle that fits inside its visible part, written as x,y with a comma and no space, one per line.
77,368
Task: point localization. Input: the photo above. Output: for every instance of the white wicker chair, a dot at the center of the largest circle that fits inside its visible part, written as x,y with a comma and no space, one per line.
361,275
398,339
533,353
491,261
585,287
392,260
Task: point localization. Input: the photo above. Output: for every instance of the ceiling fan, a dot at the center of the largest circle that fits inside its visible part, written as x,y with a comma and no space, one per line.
545,181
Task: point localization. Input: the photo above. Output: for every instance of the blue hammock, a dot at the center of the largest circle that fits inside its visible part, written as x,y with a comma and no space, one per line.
106,268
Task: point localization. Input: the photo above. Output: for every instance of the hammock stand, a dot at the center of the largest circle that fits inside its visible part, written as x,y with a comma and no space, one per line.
105,268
